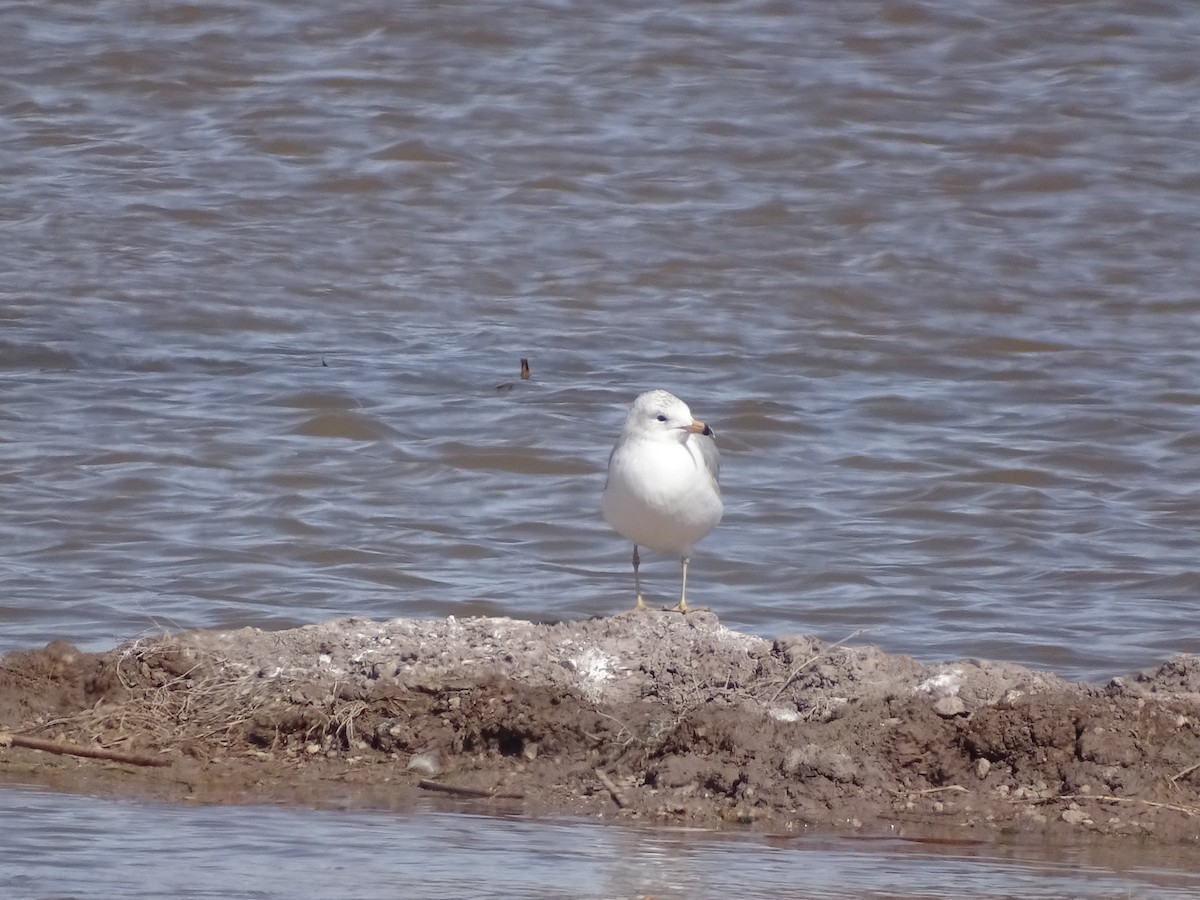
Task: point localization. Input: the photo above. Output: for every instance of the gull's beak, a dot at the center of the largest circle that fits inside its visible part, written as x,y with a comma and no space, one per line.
698,427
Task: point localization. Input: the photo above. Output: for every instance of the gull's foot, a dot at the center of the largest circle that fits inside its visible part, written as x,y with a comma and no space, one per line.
682,607
640,606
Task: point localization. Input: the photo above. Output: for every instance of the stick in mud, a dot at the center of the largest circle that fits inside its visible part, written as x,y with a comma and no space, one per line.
612,788
62,747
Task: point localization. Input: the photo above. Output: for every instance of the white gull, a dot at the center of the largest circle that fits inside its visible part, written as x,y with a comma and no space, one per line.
662,490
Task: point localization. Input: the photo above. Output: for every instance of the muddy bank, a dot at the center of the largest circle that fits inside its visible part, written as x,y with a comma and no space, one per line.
652,717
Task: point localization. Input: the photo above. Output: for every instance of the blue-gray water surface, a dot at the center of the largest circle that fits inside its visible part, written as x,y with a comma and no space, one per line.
82,847
928,268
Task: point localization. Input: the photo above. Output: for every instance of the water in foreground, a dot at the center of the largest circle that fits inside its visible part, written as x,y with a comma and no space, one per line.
134,850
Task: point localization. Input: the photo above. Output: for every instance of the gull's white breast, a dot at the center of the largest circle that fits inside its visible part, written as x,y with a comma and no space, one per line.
663,494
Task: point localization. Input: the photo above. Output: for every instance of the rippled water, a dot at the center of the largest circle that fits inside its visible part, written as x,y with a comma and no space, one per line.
928,268
130,850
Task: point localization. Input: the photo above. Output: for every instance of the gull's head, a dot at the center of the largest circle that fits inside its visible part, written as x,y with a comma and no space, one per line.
658,415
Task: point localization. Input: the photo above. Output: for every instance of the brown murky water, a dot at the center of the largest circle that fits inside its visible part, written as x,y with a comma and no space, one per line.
929,269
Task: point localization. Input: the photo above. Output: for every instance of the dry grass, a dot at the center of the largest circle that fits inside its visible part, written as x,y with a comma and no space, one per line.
210,702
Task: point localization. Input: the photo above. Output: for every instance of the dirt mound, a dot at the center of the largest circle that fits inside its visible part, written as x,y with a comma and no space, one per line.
654,716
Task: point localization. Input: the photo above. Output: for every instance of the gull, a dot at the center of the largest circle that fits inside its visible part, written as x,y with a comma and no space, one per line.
662,490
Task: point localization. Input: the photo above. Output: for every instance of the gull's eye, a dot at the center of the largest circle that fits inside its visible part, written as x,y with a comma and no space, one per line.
661,417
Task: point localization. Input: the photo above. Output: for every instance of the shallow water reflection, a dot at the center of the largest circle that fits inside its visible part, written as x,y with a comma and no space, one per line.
79,846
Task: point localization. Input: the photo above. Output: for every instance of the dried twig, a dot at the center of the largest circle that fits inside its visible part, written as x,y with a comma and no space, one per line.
1185,773
443,788
1109,798
801,666
957,788
66,749
613,791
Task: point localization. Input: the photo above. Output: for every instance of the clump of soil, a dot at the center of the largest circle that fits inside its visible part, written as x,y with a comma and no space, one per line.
649,716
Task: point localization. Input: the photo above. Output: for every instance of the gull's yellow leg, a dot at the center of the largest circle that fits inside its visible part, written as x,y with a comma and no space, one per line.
682,605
